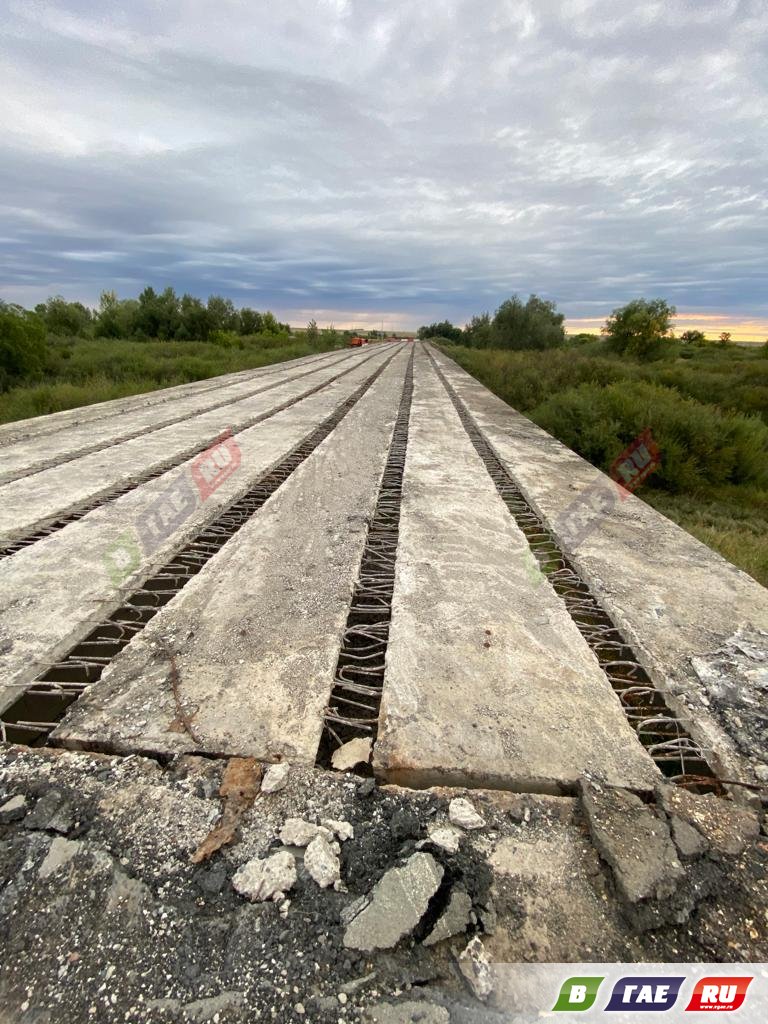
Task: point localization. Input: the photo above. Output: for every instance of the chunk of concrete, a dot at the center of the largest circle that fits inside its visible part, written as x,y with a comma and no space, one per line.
351,754
474,965
462,813
341,829
13,809
60,853
447,839
396,905
275,778
268,879
453,920
298,832
634,841
321,860
52,813
725,828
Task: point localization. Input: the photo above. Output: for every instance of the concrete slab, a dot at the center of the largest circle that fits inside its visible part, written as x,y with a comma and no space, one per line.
38,453
255,635
37,426
488,681
53,592
32,501
677,602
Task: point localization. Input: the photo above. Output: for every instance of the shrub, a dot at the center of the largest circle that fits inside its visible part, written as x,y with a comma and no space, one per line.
22,344
701,446
639,328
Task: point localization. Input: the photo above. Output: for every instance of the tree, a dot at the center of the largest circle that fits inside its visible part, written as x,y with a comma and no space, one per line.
724,338
639,328
22,344
196,320
251,321
116,318
693,338
68,319
313,332
479,333
269,324
222,314
533,325
444,329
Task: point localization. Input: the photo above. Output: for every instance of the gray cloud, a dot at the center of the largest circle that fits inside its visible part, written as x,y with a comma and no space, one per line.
409,160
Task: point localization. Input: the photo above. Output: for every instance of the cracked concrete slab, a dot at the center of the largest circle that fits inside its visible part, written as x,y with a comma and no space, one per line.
674,599
53,592
24,458
255,634
488,681
51,492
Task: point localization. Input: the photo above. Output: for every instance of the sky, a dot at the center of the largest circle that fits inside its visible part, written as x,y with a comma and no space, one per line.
360,161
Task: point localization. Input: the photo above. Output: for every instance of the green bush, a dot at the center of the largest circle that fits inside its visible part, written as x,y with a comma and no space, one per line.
701,446
22,344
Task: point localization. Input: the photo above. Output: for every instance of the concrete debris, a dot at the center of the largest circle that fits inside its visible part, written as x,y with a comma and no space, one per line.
447,839
690,843
453,920
342,829
298,832
269,879
52,813
322,862
724,829
735,678
462,813
60,853
474,965
13,809
396,905
406,1013
635,843
275,778
351,754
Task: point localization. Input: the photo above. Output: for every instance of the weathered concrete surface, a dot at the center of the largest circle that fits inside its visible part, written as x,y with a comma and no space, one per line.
38,453
53,592
488,680
120,919
256,633
673,598
39,426
35,499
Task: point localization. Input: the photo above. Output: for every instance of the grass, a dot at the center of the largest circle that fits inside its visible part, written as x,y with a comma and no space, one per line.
707,408
83,372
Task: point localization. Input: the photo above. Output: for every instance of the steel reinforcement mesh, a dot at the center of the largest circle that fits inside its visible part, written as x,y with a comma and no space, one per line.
353,709
43,704
662,733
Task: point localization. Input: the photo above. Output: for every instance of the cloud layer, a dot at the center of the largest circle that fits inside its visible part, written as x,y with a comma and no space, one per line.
407,161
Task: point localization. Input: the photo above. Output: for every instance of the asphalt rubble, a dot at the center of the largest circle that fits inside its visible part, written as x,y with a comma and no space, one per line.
227,891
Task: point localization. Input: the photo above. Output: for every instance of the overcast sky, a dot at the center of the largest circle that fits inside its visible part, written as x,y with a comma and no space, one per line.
402,160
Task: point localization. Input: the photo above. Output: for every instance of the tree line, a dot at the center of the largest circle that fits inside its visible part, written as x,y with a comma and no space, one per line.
163,315
640,329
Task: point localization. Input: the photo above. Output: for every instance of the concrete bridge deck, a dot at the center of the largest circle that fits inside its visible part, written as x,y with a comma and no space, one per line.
488,677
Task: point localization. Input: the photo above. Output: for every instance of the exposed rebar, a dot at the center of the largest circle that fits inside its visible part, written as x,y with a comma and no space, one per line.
660,731
43,704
